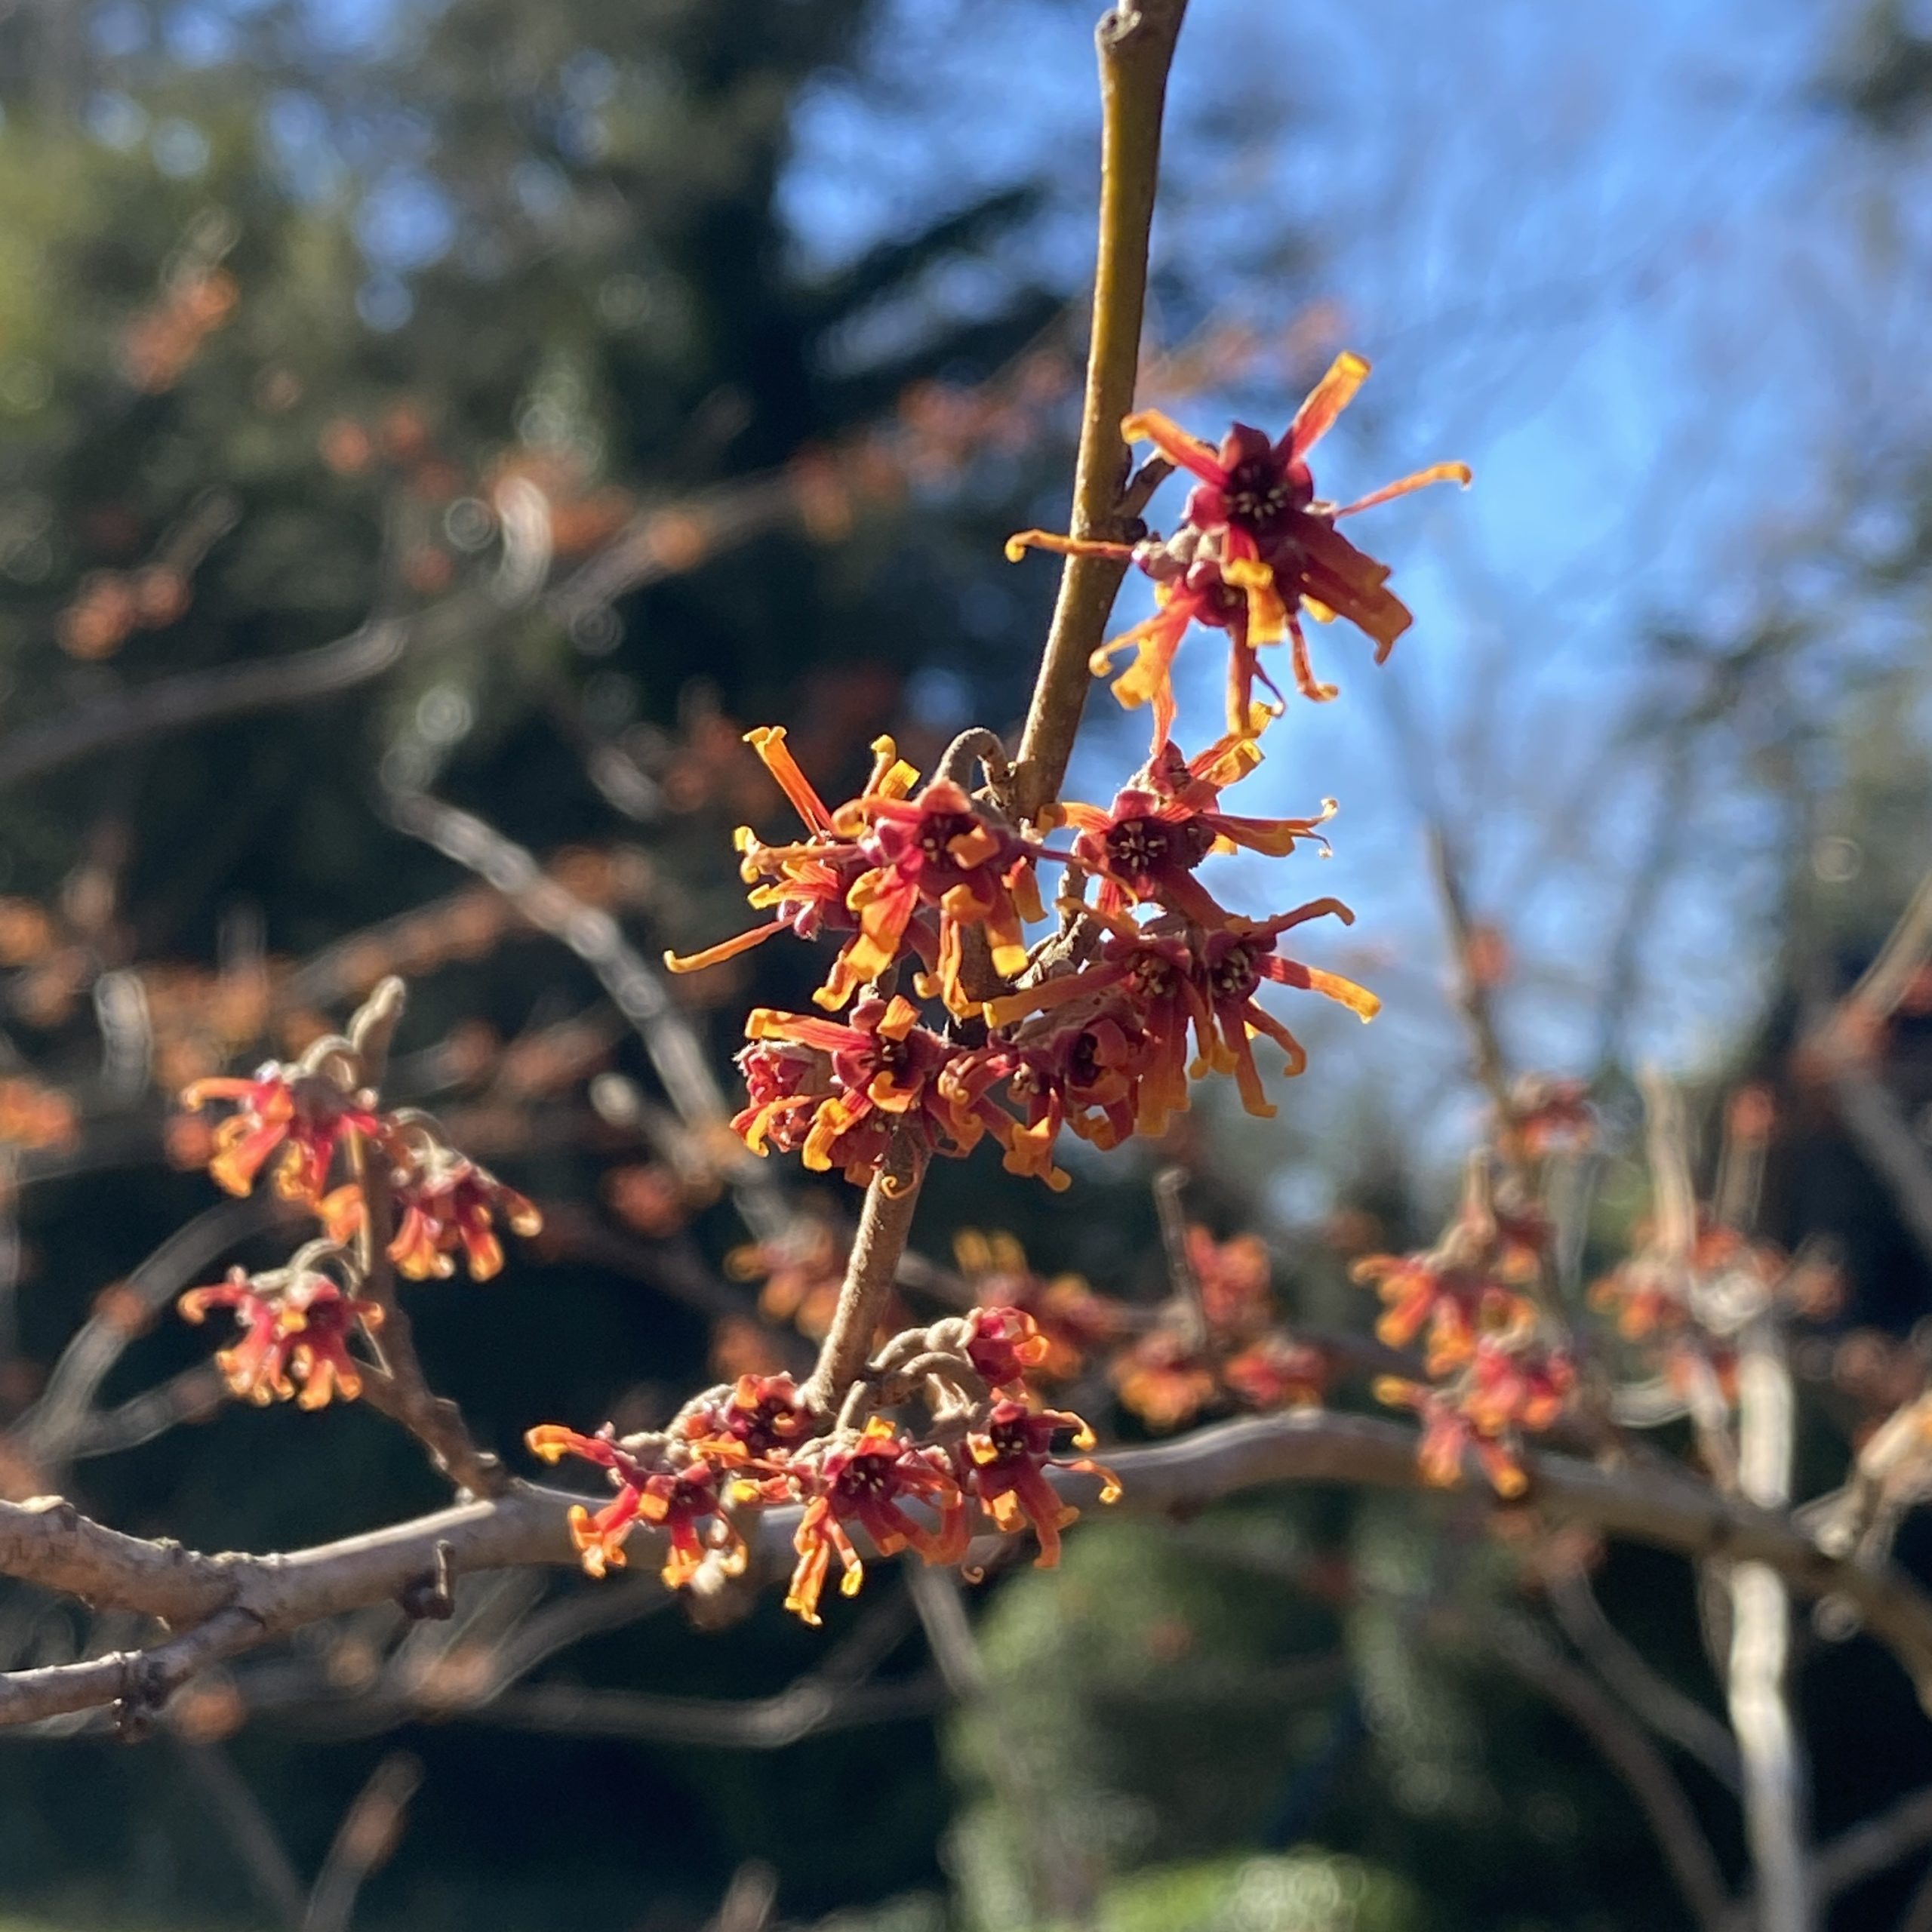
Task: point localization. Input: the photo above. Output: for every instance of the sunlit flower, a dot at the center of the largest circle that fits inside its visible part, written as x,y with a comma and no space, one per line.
1067,1313
294,1331
861,1078
863,1480
1255,550
939,850
1003,1343
806,886
1146,846
1146,980
681,1500
448,1205
1007,1460
760,1417
1235,961
303,1116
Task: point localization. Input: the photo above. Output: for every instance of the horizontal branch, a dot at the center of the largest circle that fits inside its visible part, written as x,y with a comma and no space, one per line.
202,697
47,1542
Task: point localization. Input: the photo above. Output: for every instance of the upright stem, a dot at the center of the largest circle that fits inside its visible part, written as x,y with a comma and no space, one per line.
1136,45
885,1223
397,1386
1758,1692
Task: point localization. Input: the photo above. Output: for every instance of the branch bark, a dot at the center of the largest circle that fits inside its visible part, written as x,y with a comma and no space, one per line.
1135,45
247,1600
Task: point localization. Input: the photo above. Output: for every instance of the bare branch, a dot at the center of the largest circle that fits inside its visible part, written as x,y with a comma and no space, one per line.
1629,1753
48,1428
363,1842
1660,1704
202,697
1136,45
263,1597
885,1222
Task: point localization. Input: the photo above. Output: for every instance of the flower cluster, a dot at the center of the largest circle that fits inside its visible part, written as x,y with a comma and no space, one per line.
895,870
929,888
1492,1372
1219,1343
734,1450
1256,550
305,1123
728,1449
1069,1318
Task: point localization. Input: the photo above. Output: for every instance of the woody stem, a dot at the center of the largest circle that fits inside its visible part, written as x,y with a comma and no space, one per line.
885,1222
1135,45
397,1387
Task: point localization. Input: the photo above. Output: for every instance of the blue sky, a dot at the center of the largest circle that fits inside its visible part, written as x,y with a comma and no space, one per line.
1619,256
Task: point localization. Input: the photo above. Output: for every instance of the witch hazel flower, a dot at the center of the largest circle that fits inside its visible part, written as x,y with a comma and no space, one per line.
943,849
806,886
1146,846
296,1116
295,1324
1005,1463
836,1090
899,871
866,1480
1256,550
449,1206
684,1499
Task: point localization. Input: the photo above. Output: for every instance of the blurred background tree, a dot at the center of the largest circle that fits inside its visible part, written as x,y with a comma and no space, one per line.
503,404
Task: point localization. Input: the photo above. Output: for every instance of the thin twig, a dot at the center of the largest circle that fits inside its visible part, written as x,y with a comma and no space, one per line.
398,1389
1628,1752
1660,1704
364,1842
258,1846
1185,1283
1136,45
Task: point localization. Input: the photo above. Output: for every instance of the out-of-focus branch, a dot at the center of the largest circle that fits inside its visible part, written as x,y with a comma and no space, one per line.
1841,1042
1062,1889
202,697
1870,1848
1759,1695
1904,955
1135,45
749,1899
61,1415
634,986
1660,1704
1628,1752
364,1841
1673,1209
1878,1127
258,1847
1472,991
